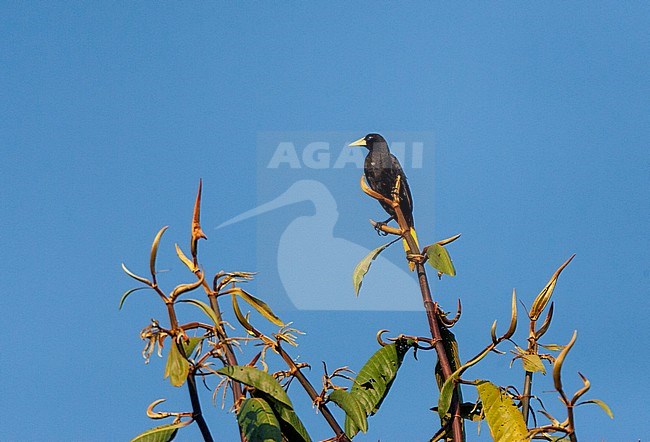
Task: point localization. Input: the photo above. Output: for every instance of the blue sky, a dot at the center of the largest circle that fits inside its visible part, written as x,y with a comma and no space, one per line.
535,124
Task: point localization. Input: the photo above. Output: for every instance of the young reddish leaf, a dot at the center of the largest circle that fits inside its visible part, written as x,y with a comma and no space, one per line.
197,233
539,304
513,316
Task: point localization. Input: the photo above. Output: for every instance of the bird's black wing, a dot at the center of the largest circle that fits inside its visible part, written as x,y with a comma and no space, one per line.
406,201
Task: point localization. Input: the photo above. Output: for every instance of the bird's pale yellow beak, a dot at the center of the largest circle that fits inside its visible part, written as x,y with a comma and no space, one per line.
359,142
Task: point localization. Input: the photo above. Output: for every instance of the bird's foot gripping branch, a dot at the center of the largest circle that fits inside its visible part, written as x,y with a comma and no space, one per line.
203,348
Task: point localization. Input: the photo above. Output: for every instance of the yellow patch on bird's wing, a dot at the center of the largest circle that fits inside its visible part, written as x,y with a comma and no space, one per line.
406,247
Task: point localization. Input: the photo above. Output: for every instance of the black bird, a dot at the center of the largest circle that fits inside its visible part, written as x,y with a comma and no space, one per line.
382,169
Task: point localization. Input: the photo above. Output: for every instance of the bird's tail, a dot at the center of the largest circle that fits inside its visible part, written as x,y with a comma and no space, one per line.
406,247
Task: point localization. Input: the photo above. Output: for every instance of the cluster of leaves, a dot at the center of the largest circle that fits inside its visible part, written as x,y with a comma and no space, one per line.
263,408
505,420
259,397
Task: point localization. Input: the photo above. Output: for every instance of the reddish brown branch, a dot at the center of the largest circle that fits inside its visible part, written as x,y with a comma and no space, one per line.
432,310
311,391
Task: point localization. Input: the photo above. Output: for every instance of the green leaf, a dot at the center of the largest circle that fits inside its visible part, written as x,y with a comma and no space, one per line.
257,421
533,363
290,423
354,413
446,391
259,379
375,379
154,252
451,349
206,309
364,265
177,367
127,293
163,433
439,259
601,404
243,320
376,376
190,346
258,305
503,417
447,394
